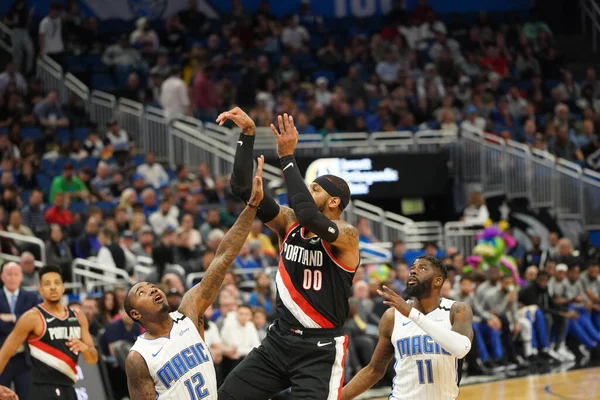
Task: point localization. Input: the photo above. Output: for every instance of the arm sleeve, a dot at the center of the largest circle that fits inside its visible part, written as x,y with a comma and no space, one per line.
241,179
303,204
456,344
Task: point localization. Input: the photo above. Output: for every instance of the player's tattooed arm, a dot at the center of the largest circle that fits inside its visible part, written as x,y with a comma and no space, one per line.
461,317
345,246
139,381
282,222
372,373
198,299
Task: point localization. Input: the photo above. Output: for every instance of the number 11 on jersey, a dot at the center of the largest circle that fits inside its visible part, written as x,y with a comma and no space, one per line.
428,370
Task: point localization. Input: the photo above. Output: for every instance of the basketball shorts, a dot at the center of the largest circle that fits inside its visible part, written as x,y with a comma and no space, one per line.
52,392
310,362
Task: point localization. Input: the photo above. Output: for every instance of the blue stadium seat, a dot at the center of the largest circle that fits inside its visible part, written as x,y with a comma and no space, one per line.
78,207
103,81
105,206
171,173
25,196
48,166
91,162
44,182
76,63
31,133
411,255
3,130
63,135
81,133
138,159
94,62
326,73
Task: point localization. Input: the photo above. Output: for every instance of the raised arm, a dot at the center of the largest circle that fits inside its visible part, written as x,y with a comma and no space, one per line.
339,234
139,381
384,352
456,341
25,327
276,217
199,298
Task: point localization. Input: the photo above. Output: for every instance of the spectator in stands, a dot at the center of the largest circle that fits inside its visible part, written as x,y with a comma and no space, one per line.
161,219
588,251
212,221
473,123
11,75
174,96
17,18
204,94
144,34
194,21
364,231
256,233
214,239
108,308
49,113
90,310
51,39
16,302
34,212
153,173
476,212
68,183
145,242
569,89
294,36
122,57
239,336
110,253
564,147
88,245
58,252
15,225
122,330
31,278
58,213
565,254
93,146
262,297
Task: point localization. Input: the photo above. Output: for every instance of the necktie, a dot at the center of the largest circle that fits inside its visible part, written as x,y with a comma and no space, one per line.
13,303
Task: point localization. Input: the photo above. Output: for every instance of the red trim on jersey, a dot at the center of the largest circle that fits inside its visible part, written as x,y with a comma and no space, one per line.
46,348
343,362
33,339
297,298
287,233
334,258
54,315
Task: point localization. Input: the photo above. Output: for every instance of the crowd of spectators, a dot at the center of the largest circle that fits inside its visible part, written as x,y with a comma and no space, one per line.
86,192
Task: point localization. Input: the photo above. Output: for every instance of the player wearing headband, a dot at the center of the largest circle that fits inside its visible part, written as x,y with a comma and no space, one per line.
305,348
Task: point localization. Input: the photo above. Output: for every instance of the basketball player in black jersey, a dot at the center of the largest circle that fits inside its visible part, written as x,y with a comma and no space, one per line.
305,348
56,335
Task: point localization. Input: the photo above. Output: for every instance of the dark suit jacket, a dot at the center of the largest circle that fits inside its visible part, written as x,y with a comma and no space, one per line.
25,301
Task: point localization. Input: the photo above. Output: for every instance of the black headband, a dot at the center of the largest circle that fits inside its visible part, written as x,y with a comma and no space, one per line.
333,190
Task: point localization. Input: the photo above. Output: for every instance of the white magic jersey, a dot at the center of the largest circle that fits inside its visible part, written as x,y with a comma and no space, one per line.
424,370
181,365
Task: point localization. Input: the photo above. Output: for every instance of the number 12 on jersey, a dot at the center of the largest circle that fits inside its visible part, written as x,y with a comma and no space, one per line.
428,370
196,392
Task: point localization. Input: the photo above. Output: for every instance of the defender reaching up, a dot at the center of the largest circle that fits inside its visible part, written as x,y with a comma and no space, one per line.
305,347
171,360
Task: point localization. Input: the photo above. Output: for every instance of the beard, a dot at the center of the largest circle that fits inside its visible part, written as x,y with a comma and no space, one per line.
421,289
321,207
54,301
164,308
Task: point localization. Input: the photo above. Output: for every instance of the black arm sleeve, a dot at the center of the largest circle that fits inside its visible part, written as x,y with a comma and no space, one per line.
303,204
241,179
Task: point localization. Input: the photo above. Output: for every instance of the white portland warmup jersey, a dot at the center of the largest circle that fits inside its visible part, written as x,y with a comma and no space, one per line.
424,370
181,365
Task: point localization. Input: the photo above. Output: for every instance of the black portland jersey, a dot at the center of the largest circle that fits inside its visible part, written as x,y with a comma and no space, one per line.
313,287
53,362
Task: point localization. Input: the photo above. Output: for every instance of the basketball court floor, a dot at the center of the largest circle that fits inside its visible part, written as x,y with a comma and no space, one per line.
577,384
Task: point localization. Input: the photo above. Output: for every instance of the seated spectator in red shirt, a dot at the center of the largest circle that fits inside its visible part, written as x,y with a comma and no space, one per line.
494,61
58,213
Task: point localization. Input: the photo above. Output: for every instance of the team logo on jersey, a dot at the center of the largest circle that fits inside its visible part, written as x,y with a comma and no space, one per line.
72,319
57,391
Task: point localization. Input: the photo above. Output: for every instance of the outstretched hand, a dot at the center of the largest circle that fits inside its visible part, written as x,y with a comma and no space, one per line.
7,394
287,137
257,184
393,299
240,118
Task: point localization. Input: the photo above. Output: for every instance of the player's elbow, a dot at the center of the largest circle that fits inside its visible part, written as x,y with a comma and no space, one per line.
240,190
463,348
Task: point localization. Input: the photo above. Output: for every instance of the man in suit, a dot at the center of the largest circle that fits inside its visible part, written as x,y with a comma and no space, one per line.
13,303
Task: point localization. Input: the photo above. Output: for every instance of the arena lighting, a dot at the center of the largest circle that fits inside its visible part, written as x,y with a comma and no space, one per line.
359,173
